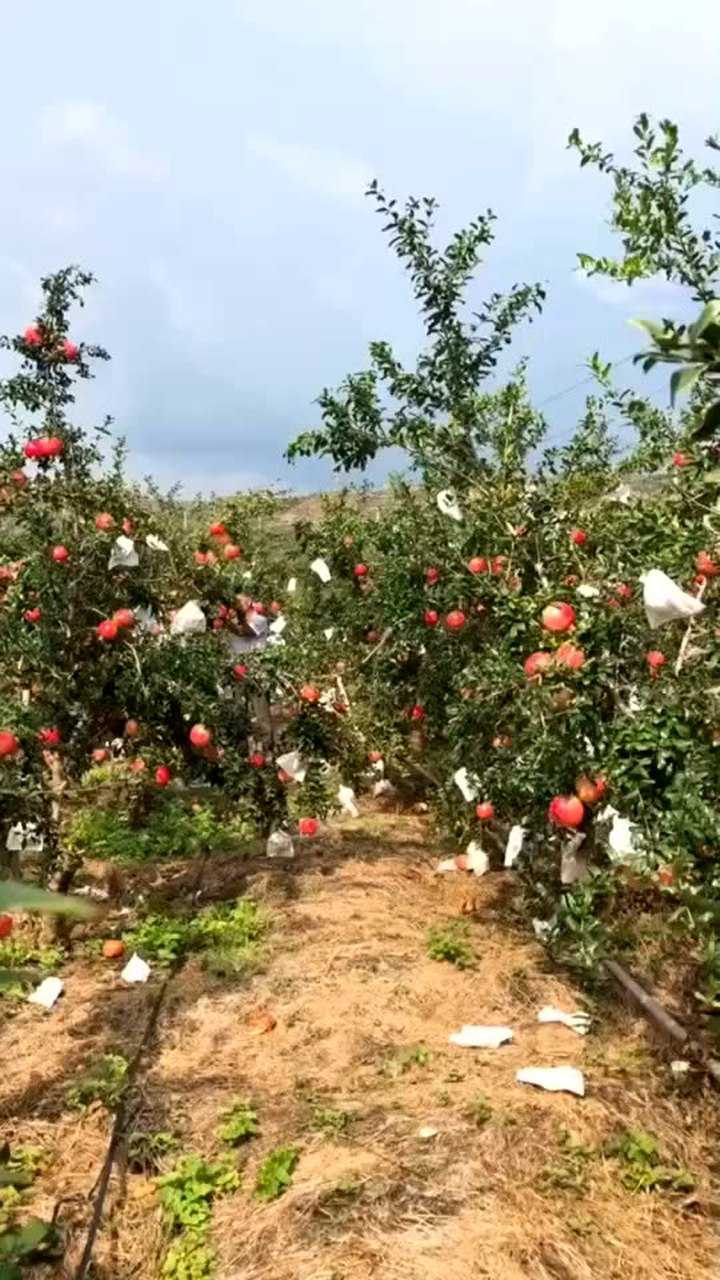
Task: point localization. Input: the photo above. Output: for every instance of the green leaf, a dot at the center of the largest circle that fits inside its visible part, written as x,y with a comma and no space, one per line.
683,380
16,896
710,314
657,332
709,424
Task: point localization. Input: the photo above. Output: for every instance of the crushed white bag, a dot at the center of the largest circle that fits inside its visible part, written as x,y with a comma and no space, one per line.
320,567
189,621
47,993
329,632
346,796
156,544
293,764
123,554
475,1037
573,864
477,859
136,969
579,1022
383,788
279,845
514,845
665,601
462,780
292,586
554,1079
278,626
447,503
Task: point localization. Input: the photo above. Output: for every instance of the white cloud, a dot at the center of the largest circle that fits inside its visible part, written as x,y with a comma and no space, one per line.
646,297
91,130
324,170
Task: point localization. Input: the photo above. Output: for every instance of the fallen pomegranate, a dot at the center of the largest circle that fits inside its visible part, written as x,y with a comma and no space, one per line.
566,811
308,826
200,736
558,617
113,949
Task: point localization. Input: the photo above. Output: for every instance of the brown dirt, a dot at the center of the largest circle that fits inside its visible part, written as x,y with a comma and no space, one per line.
355,997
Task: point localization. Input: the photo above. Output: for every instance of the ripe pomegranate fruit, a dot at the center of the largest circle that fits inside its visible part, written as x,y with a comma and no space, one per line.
360,571
308,826
104,522
256,760
431,617
6,926
33,615
200,557
240,671
70,350
537,664
107,629
680,459
705,565
485,810
218,530
51,447
124,618
558,617
200,736
113,949
587,790
375,757
232,552
309,693
417,712
9,745
50,737
162,775
132,729
578,537
99,755
127,526
478,564
432,575
498,565
60,554
455,620
32,336
568,655
655,660
566,811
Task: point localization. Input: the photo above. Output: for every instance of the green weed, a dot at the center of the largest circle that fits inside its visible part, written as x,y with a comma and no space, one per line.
570,1173
405,1060
186,1195
329,1122
146,1149
642,1166
171,831
274,1176
479,1111
104,1082
239,1124
235,930
450,943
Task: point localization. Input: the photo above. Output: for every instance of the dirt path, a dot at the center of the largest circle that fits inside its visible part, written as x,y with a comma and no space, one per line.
515,1184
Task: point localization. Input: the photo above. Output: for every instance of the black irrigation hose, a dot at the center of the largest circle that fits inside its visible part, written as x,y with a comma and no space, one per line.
100,1189
118,1133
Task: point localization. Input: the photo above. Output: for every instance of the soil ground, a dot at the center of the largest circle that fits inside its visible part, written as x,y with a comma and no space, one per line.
515,1184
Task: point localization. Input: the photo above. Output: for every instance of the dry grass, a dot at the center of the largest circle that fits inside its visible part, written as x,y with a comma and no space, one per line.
355,995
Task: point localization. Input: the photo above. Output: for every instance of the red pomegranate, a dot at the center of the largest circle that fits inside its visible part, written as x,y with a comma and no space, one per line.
200,736
566,811
360,571
558,617
485,810
578,537
455,620
655,660
417,712
309,693
32,336
104,522
70,350
431,617
240,671
32,615
680,459
232,552
200,557
432,575
99,755
568,655
6,926
132,729
256,760
162,775
50,737
478,564
124,618
308,826
705,564
537,664
9,745
375,757
60,554
218,530
107,629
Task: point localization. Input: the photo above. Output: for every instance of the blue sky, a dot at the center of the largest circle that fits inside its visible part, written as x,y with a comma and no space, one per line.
208,163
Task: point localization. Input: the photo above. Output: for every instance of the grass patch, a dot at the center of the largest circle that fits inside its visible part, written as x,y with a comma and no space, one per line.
405,1059
186,1195
274,1176
642,1165
231,933
103,1082
171,830
147,1149
571,1171
330,1123
450,943
479,1111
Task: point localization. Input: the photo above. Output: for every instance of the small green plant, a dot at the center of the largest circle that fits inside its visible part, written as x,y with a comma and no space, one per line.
405,1059
186,1195
330,1122
19,965
275,1173
570,1173
170,831
104,1082
642,1166
450,943
479,1111
239,1124
34,1241
235,930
